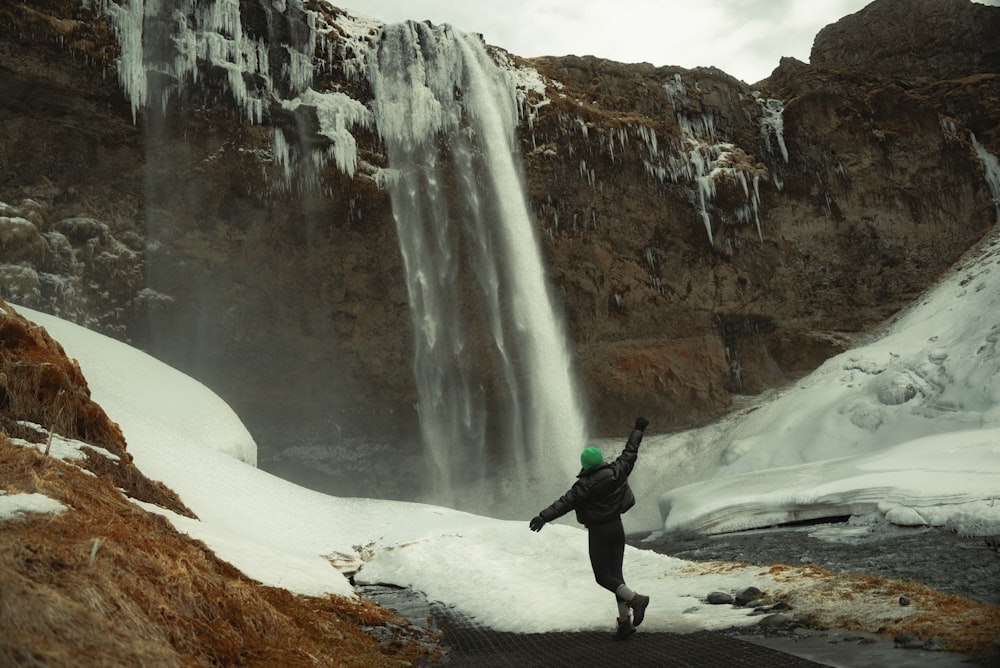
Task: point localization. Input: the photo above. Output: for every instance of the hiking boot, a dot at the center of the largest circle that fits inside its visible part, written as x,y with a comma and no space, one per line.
638,605
625,629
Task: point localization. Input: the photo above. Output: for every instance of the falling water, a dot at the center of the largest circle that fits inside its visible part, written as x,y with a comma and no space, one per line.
499,410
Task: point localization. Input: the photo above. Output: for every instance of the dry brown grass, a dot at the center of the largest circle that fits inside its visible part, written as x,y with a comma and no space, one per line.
826,600
40,384
869,603
152,596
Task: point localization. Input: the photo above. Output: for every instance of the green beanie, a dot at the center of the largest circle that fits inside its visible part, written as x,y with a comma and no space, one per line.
591,457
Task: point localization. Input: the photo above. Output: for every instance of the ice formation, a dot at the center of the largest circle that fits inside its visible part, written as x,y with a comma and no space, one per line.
165,47
337,114
706,161
161,46
772,122
992,169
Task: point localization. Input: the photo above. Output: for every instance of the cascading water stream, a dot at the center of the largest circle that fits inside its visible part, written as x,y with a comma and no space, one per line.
500,412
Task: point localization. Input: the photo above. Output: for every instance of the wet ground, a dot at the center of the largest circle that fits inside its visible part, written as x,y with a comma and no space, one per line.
936,558
939,559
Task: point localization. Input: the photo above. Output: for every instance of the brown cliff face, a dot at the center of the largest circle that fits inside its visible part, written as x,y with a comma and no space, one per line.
180,234
873,203
913,40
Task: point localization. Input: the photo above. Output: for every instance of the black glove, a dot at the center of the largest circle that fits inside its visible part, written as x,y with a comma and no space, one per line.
641,423
536,523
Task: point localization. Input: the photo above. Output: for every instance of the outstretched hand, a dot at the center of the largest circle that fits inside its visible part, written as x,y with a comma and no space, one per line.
536,523
641,423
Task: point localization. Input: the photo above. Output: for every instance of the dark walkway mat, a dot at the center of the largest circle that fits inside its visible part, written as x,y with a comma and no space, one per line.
470,646
464,643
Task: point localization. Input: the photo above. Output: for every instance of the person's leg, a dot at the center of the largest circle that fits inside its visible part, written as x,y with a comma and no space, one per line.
631,599
606,561
603,547
616,555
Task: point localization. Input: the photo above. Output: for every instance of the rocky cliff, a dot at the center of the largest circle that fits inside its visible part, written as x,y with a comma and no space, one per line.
916,41
705,238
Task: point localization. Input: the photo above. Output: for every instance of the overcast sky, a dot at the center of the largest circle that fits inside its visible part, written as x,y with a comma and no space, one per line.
745,38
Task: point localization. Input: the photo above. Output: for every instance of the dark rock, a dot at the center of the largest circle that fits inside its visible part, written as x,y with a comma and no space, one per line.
777,620
719,598
913,40
745,596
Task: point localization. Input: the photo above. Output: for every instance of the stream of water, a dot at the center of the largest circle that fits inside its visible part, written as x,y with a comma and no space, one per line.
498,403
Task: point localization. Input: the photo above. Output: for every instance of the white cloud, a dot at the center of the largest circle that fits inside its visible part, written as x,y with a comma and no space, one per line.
744,38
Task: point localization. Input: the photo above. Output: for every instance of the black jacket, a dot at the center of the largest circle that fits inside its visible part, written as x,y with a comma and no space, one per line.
600,494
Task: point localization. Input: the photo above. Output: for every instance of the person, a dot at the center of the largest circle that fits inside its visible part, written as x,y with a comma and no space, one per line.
599,496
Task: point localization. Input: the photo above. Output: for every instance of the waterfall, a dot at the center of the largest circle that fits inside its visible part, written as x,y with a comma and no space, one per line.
499,409
500,414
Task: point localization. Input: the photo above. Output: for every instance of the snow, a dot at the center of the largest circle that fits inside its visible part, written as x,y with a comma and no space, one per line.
945,480
149,399
14,506
931,459
924,396
60,447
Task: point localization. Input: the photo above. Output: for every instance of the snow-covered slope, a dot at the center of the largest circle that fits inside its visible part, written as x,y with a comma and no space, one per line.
907,426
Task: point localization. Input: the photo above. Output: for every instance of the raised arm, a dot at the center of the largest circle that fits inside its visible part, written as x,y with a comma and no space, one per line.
626,460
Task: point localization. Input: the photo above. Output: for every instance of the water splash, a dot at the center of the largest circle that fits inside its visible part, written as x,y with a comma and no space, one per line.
499,410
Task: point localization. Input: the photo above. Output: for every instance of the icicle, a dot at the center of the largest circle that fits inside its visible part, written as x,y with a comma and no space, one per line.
948,129
279,147
701,159
336,113
675,90
127,22
991,167
772,122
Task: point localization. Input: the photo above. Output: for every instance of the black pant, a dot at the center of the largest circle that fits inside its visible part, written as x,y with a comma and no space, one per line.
607,549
